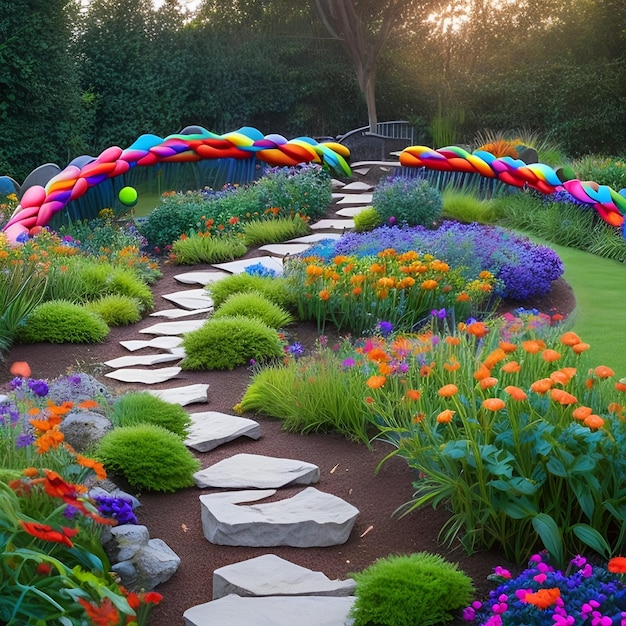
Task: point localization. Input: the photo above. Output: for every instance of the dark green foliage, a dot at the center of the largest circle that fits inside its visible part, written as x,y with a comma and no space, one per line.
105,279
259,232
367,219
410,201
226,343
149,457
116,310
254,304
274,289
407,590
141,407
59,321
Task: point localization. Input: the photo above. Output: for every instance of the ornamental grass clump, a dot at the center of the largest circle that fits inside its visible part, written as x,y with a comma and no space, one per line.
404,590
274,230
204,247
254,304
543,595
273,288
116,310
355,293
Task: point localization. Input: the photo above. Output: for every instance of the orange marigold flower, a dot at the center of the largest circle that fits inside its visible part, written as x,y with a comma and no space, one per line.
463,297
96,466
494,404
582,412
589,383
494,357
570,339
602,371
563,397
357,291
375,382
425,370
478,329
580,347
384,368
88,404
447,391
559,377
324,295
542,385
531,346
543,598
550,355
430,284
377,354
452,341
313,270
488,381
452,365
507,347
20,368
614,407
445,417
51,439
419,417
620,385
413,394
482,372
30,472
511,367
593,421
516,393
617,565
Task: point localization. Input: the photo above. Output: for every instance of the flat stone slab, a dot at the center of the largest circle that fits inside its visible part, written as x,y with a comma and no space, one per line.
173,314
148,377
161,343
357,185
357,198
239,266
362,170
173,328
142,359
247,471
269,575
211,429
333,224
200,278
283,249
350,211
190,299
315,237
272,611
188,394
311,518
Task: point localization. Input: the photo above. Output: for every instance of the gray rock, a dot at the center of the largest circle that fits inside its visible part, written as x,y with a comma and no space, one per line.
155,563
310,518
127,573
211,429
126,541
84,428
77,388
243,471
269,575
272,611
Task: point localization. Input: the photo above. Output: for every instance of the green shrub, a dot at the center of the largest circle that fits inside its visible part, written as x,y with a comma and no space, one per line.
464,205
254,304
149,457
367,219
116,310
141,407
412,589
204,248
259,232
610,171
274,289
223,344
59,321
410,201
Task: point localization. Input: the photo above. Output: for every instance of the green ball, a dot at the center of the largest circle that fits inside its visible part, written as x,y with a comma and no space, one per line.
128,196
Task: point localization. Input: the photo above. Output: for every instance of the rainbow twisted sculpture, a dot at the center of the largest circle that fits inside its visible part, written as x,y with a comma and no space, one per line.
610,204
39,204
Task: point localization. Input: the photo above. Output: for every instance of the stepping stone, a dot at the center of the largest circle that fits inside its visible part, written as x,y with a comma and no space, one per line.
161,343
357,198
315,237
238,267
272,611
177,313
255,471
309,519
283,249
269,575
173,328
148,377
362,170
211,429
337,184
337,196
200,278
143,359
350,211
190,299
357,185
334,224
182,395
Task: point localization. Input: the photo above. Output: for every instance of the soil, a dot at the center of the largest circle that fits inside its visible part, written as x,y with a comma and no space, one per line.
347,469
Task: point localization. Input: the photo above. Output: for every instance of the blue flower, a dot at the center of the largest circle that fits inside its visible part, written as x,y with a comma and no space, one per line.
385,328
296,349
38,387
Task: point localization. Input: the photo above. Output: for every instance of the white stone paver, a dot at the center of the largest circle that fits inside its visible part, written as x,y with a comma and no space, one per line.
357,186
161,343
211,429
315,237
174,314
200,277
147,377
190,299
284,249
350,211
188,394
143,359
239,266
356,198
173,328
333,224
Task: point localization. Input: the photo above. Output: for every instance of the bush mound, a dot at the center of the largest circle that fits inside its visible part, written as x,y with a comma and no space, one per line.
406,590
254,304
149,457
223,344
366,220
116,310
59,321
141,407
106,279
274,289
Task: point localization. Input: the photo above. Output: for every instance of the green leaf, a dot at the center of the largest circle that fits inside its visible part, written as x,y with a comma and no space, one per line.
520,508
550,536
592,538
556,467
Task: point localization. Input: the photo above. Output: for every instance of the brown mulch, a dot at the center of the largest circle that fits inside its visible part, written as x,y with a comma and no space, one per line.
347,470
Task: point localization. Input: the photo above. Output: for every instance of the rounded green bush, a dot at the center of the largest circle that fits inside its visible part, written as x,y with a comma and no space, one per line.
407,201
59,321
274,289
226,343
106,279
116,310
405,590
254,304
366,220
149,457
141,407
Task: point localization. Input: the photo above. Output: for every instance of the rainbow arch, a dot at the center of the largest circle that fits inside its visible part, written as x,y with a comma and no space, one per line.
39,204
610,204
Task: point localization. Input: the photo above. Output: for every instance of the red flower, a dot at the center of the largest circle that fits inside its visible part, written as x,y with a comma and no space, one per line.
617,565
47,533
104,615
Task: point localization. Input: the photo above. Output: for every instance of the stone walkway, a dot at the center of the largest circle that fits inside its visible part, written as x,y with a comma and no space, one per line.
267,589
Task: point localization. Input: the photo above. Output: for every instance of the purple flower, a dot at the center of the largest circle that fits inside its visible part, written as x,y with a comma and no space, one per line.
385,328
296,349
24,440
22,238
38,387
439,314
348,363
120,509
16,383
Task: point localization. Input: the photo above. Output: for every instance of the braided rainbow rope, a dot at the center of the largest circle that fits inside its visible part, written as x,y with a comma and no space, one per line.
39,204
610,204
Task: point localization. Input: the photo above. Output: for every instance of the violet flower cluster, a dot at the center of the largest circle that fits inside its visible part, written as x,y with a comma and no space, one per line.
120,509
